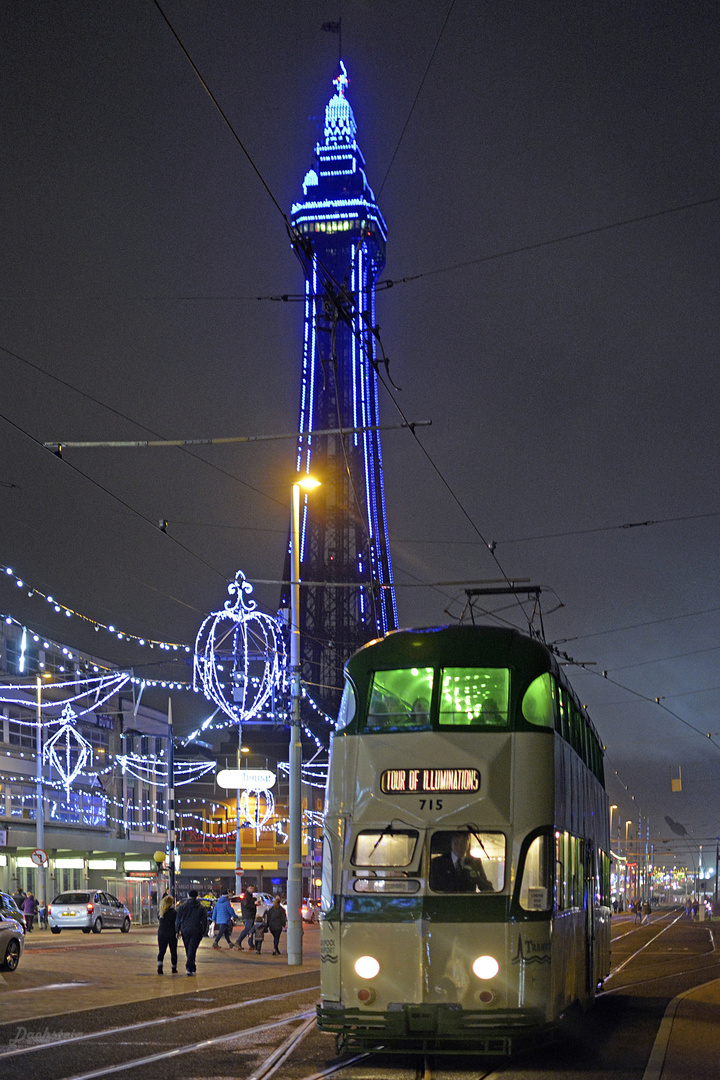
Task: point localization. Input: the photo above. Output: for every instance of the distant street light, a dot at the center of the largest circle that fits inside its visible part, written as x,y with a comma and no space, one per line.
294,884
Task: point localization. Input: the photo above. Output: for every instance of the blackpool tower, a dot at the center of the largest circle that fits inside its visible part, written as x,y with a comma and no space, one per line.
339,235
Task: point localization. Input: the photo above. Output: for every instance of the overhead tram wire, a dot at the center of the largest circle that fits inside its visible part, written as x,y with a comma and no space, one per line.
390,283
117,498
137,423
417,95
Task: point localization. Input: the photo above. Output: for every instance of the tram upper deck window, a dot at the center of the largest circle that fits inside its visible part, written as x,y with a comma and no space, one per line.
346,712
467,862
384,848
400,700
476,697
537,704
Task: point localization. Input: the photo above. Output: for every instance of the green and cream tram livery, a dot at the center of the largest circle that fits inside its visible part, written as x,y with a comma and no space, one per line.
465,857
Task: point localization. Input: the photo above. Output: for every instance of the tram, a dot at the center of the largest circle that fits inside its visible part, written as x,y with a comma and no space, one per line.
466,870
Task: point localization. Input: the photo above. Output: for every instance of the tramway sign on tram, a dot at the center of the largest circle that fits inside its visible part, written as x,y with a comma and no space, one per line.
429,781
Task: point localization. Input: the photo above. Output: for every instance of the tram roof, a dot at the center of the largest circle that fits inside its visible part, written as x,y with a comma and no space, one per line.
487,646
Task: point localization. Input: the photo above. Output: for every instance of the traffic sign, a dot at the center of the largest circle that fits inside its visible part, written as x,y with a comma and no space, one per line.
39,857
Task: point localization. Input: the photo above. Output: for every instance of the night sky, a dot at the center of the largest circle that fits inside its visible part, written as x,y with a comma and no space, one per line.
549,175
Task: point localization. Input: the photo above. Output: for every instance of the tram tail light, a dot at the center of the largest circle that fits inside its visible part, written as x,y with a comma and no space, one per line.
366,995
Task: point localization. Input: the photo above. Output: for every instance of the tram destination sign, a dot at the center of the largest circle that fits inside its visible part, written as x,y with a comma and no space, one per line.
429,781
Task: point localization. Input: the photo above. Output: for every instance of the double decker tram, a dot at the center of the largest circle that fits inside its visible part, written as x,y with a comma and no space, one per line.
466,864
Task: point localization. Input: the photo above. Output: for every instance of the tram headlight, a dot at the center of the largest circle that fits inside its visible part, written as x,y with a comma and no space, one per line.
366,967
486,967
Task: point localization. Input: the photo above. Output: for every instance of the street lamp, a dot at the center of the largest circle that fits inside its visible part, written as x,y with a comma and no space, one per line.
294,884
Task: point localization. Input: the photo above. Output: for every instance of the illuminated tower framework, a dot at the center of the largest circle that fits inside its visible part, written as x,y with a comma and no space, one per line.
340,236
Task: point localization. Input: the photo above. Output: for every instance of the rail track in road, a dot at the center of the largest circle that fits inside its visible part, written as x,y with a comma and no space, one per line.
257,1034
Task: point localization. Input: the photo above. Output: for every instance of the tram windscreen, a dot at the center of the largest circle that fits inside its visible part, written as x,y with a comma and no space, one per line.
384,848
400,700
467,862
476,697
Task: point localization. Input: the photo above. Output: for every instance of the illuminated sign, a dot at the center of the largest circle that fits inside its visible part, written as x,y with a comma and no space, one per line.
248,779
427,781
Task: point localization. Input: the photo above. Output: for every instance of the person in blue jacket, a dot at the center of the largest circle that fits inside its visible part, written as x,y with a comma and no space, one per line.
224,918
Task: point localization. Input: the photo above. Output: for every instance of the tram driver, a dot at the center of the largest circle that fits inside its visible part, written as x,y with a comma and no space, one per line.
458,871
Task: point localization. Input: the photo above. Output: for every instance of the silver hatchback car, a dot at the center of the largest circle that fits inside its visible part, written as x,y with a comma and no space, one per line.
88,910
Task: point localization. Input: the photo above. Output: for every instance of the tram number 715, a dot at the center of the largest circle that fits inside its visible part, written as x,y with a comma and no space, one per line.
431,804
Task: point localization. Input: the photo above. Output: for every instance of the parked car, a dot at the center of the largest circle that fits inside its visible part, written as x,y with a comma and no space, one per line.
12,941
86,911
9,909
310,911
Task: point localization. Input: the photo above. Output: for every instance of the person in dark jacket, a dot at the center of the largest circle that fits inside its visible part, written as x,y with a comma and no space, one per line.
167,934
276,920
191,923
248,910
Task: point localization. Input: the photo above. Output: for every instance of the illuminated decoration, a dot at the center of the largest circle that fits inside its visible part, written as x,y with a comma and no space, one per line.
339,235
257,808
152,771
67,750
101,689
120,635
240,656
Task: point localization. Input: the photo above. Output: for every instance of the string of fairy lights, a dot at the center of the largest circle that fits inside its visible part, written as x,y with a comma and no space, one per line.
239,664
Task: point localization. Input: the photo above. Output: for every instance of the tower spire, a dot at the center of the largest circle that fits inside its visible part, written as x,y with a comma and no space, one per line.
344,542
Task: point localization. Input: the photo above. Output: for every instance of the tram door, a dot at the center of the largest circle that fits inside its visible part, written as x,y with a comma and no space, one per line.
589,904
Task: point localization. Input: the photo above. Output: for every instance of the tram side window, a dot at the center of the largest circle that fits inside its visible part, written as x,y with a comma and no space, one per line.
535,893
569,871
384,848
475,696
400,700
467,862
537,704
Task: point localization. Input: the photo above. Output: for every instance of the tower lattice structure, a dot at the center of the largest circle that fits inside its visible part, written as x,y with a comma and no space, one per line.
347,597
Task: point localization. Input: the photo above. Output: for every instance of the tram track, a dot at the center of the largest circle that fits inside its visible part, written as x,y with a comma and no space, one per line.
238,1029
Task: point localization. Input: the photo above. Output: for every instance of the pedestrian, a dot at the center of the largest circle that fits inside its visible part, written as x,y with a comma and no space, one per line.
42,916
259,933
224,918
29,909
191,923
248,910
276,920
19,897
646,912
638,912
167,934
695,908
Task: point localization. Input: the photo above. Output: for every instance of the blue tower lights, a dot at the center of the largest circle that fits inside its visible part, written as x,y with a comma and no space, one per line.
339,235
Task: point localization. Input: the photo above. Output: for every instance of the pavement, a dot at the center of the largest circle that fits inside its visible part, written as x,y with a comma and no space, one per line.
71,972
688,1040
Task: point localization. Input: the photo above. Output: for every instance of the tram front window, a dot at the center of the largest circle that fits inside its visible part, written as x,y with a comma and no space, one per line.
400,700
464,861
476,697
384,848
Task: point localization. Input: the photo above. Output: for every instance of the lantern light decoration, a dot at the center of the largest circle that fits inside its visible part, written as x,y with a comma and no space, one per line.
67,750
262,812
240,655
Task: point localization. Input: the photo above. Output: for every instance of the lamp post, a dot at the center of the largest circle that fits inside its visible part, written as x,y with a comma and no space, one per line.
39,799
294,884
